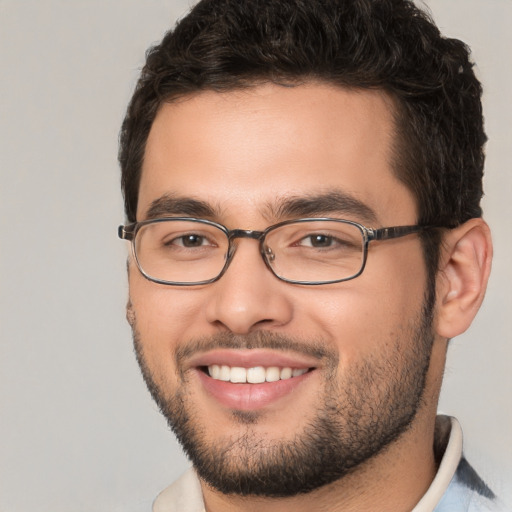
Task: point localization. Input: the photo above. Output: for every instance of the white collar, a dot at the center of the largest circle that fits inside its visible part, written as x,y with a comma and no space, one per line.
446,427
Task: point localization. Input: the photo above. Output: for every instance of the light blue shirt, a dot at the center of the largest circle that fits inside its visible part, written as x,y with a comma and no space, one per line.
468,494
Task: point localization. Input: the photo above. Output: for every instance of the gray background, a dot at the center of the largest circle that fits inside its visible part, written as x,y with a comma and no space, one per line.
78,431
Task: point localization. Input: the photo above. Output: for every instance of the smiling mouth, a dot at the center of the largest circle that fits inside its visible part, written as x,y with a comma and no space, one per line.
254,375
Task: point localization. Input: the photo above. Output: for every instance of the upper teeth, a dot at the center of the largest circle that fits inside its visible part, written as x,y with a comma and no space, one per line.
255,375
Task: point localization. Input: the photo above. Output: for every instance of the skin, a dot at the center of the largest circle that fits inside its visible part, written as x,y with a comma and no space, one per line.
244,151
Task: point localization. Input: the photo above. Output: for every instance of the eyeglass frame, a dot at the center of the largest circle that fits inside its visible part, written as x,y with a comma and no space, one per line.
129,232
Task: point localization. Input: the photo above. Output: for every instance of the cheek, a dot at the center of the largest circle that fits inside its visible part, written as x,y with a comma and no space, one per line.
164,316
372,312
395,275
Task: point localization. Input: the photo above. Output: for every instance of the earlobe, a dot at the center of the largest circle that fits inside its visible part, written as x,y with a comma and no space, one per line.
465,264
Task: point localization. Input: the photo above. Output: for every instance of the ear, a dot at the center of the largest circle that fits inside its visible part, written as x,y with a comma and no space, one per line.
465,265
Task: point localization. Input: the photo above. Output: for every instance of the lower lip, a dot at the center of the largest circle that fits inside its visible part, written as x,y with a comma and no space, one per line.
248,397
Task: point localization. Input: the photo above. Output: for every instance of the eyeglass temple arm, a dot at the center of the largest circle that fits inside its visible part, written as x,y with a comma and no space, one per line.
126,232
394,232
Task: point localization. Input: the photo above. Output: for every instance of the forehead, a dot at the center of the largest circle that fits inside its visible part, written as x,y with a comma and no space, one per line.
245,153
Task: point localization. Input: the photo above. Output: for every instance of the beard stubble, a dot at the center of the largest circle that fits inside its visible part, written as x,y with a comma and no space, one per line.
358,415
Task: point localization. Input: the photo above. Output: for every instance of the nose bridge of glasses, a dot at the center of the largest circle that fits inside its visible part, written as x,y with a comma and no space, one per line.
266,252
245,233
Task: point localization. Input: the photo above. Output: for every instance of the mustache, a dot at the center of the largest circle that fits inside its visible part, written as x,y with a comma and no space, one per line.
260,339
315,348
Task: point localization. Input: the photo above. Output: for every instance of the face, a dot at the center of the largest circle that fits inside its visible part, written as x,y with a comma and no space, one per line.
343,365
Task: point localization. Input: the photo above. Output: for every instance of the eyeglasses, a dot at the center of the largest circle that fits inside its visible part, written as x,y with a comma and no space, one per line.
183,251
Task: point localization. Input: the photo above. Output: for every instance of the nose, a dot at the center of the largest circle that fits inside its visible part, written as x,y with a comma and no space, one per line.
248,296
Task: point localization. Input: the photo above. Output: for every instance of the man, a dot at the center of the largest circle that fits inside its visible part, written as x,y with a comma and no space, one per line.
302,183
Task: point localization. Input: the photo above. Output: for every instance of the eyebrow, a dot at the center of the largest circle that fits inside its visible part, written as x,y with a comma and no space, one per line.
169,205
334,202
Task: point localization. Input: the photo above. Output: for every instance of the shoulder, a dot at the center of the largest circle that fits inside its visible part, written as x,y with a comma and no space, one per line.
469,495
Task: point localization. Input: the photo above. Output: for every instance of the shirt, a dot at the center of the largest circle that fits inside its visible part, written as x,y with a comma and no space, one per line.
455,488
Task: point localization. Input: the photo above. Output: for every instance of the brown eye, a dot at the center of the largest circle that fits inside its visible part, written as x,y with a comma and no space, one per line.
319,241
191,240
